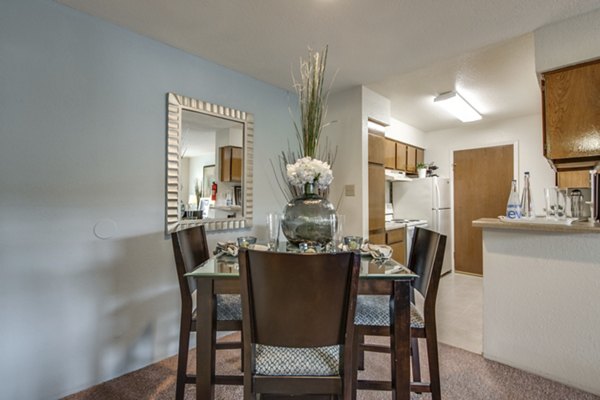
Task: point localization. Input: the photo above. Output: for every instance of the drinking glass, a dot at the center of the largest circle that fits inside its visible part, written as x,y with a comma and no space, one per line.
273,228
550,195
561,203
353,242
245,241
337,231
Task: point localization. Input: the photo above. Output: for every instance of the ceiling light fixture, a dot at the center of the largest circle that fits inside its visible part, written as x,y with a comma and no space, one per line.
457,106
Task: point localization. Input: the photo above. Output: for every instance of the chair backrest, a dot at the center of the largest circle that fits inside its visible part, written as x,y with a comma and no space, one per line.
298,300
190,249
426,259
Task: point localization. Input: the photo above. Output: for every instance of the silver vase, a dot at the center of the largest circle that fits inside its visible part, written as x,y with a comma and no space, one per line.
308,218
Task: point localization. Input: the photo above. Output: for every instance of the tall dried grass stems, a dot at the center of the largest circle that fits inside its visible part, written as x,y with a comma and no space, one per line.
312,99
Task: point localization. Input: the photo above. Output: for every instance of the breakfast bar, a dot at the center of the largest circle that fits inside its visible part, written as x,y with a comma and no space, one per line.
541,296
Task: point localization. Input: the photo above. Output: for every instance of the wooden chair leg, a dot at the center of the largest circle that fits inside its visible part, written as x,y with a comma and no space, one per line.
242,350
355,361
361,352
415,360
434,366
182,357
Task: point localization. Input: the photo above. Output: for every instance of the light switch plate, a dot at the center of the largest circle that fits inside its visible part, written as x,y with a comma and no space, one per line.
349,190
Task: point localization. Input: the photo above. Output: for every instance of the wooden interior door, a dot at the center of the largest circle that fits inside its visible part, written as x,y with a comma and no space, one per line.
482,183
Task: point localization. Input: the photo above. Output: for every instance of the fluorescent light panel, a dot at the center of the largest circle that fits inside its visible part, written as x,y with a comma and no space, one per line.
457,106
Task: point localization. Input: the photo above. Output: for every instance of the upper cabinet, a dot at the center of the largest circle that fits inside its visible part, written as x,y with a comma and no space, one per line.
231,163
402,156
377,149
390,154
571,99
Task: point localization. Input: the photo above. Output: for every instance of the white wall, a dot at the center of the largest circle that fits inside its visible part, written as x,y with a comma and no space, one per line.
405,133
82,156
350,109
526,132
540,304
571,41
196,173
345,134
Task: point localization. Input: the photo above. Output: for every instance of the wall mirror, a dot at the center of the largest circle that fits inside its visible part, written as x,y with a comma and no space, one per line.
209,165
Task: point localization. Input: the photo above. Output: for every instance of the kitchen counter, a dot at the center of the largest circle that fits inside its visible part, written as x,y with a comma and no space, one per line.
391,225
541,290
523,225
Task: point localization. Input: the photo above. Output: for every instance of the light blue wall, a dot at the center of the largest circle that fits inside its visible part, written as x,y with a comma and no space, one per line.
82,142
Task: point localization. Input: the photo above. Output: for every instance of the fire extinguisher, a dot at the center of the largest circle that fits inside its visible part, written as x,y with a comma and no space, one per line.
213,196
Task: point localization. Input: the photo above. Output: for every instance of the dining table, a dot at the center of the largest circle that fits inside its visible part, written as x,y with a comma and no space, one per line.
220,275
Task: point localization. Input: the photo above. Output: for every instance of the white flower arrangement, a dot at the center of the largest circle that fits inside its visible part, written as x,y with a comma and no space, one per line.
308,170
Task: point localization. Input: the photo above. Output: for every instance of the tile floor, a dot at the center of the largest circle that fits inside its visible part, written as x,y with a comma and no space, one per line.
459,311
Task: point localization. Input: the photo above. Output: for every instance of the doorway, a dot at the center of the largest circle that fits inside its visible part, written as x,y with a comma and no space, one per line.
482,181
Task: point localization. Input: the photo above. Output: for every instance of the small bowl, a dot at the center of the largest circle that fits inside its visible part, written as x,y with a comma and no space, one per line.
245,241
353,242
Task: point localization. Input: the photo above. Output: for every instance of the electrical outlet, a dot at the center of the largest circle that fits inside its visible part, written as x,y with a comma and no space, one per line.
349,190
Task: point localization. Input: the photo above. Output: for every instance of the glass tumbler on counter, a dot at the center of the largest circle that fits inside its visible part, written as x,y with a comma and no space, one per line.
576,198
550,197
556,203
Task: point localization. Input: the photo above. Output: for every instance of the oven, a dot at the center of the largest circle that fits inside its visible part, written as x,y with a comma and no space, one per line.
408,224
410,233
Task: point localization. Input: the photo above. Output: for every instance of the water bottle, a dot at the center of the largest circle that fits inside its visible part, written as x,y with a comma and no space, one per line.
513,206
527,209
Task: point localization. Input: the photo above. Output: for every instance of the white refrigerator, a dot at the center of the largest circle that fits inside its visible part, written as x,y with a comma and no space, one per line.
428,199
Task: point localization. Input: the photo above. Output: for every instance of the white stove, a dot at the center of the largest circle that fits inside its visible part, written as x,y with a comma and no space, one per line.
396,223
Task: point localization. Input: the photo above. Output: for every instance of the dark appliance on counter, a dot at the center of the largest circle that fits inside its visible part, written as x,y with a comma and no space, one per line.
595,195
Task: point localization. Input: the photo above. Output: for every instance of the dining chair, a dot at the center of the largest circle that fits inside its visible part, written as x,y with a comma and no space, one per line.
298,314
191,249
373,314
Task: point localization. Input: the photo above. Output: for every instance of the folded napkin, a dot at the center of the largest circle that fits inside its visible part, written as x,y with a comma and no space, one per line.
377,251
229,248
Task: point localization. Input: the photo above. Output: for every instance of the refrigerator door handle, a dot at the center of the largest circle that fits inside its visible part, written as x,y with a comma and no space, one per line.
437,196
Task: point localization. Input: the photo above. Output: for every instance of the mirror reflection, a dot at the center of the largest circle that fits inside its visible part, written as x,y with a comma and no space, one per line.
209,165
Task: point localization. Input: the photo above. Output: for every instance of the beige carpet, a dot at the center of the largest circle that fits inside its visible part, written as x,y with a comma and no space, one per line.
464,375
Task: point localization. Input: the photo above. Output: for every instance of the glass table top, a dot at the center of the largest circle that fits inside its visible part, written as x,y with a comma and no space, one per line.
225,266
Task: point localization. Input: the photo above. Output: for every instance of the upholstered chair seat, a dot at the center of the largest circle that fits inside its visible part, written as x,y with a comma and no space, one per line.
375,311
316,361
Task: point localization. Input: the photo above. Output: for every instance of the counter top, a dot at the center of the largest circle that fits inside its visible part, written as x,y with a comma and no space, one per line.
575,227
391,225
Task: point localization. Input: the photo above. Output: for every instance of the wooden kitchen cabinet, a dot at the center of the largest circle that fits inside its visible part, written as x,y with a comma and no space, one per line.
571,101
390,154
420,156
377,149
400,156
573,179
411,159
376,152
376,198
377,238
231,158
396,240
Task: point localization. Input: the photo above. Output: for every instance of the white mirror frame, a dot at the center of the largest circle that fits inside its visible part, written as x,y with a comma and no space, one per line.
175,105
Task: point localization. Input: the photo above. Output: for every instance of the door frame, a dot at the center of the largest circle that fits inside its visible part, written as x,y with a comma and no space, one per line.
516,166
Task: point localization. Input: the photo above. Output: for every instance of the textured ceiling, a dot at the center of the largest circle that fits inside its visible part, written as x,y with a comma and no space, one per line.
375,43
